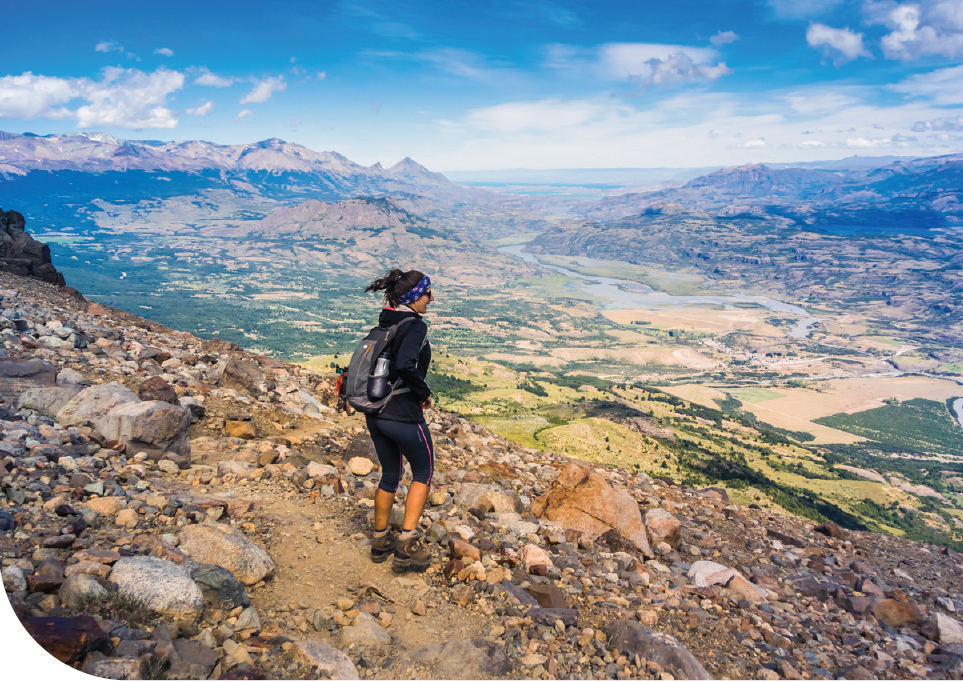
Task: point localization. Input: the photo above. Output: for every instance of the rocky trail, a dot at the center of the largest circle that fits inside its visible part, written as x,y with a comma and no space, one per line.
178,508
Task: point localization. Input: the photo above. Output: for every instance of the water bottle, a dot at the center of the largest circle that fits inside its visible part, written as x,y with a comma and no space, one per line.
378,380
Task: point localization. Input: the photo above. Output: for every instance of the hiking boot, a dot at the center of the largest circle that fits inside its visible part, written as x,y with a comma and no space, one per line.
382,547
411,555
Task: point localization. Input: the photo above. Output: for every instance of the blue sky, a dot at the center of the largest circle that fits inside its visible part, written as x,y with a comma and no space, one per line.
465,86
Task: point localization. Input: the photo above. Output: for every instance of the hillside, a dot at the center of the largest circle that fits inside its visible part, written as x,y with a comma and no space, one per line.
251,506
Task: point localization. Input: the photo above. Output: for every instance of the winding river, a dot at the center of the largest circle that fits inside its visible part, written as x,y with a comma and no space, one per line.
621,294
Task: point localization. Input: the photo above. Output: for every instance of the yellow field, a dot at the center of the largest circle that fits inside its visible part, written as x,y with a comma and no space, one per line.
796,407
708,320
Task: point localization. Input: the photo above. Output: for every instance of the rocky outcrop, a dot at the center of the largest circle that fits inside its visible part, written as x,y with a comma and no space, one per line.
23,255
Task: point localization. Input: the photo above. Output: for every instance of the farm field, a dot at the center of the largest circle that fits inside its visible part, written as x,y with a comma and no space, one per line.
709,320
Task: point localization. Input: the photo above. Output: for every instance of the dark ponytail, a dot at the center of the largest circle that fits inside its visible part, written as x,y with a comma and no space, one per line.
396,284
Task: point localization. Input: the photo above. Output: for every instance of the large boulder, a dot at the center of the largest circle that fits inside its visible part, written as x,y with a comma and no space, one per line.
633,638
155,427
580,499
49,400
239,373
487,498
162,585
228,547
93,403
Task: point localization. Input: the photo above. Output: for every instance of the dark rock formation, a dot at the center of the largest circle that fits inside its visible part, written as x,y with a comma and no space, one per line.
21,254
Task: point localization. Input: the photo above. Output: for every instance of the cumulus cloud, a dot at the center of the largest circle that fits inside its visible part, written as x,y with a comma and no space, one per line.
940,125
212,79
896,140
128,98
108,46
812,144
723,38
930,27
802,9
322,75
841,44
755,144
202,110
30,96
263,90
121,98
164,51
679,69
243,114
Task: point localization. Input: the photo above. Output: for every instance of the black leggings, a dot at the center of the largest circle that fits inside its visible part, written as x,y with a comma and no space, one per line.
394,439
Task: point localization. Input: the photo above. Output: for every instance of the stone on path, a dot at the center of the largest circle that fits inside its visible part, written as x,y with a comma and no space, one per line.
161,585
116,667
226,546
581,499
632,638
459,659
948,630
360,466
325,658
365,632
220,586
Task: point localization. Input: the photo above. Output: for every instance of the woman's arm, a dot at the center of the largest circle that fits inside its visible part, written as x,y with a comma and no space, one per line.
406,361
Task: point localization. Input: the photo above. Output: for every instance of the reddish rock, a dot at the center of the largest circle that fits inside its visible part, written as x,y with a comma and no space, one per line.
68,639
461,549
663,527
580,499
830,529
898,614
156,388
462,594
242,429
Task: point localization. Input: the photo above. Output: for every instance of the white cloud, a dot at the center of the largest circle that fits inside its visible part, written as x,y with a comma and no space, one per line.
243,114
164,51
812,144
128,98
940,125
202,110
263,90
944,87
108,46
930,27
543,116
122,98
802,9
212,79
755,144
28,96
645,63
814,101
723,38
842,44
322,75
679,69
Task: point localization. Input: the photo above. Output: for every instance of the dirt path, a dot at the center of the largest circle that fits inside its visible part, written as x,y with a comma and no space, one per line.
312,575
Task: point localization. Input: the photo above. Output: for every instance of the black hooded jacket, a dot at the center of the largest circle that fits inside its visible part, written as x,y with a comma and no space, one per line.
409,361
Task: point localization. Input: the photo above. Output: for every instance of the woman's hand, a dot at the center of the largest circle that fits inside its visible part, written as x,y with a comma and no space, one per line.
427,403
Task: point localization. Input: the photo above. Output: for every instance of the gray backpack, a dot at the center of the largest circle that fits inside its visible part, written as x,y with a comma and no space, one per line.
362,367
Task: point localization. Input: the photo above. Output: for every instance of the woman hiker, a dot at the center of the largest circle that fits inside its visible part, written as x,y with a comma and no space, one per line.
399,430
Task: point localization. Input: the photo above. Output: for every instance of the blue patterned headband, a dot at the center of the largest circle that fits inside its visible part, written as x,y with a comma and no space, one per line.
417,292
